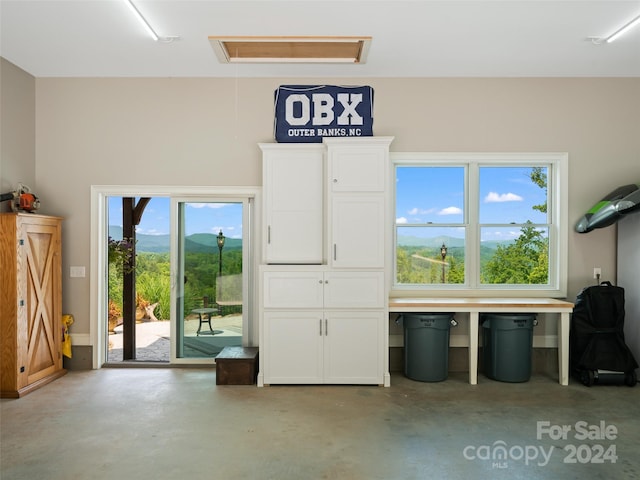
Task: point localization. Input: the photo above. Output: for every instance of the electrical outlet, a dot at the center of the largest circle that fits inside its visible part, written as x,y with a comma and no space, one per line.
76,272
597,272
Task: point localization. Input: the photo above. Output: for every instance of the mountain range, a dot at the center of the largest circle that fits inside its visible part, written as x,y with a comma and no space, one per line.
207,242
198,242
449,242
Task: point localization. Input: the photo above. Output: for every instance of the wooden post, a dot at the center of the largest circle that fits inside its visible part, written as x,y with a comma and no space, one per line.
129,283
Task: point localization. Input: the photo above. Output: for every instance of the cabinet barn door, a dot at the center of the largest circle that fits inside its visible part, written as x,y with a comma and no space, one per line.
40,259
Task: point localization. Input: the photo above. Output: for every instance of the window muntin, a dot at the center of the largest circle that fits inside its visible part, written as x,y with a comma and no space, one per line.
505,196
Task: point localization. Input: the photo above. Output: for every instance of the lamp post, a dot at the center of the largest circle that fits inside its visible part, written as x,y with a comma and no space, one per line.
443,254
221,239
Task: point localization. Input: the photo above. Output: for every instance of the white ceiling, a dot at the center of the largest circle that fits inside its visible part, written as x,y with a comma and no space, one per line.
419,38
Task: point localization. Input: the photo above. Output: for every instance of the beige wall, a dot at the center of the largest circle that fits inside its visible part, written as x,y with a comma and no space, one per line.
17,130
205,131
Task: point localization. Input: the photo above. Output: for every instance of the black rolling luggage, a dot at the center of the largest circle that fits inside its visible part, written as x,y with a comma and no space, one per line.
597,350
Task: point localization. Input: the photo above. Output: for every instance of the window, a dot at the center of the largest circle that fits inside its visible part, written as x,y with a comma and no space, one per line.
479,223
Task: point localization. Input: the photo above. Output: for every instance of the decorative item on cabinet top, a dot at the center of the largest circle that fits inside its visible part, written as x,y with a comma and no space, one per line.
307,113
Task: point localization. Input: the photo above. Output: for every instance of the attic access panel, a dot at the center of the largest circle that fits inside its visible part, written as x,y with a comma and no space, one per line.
279,49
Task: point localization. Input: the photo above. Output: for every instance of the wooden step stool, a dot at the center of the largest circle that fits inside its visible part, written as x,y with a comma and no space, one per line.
237,366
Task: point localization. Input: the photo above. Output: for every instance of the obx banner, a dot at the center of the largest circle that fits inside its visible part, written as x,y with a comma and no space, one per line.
307,113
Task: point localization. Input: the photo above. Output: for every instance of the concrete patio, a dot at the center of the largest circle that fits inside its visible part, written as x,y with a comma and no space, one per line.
153,338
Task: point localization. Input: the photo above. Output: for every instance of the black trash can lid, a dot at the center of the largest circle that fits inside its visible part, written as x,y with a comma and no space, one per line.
427,320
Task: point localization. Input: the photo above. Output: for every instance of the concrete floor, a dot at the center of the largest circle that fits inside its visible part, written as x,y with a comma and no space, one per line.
176,423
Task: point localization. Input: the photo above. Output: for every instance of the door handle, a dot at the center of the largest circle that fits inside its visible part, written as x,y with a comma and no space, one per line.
326,327
320,325
269,235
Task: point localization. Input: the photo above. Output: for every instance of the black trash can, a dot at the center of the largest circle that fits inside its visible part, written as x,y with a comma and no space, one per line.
426,345
507,340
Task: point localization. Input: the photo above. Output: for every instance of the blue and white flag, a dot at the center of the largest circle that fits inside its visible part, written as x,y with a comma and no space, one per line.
307,113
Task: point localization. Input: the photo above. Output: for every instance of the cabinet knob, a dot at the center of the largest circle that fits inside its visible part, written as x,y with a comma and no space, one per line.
335,180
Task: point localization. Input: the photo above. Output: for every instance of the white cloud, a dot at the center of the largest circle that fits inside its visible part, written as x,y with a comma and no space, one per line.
150,231
207,205
450,211
494,197
401,220
418,211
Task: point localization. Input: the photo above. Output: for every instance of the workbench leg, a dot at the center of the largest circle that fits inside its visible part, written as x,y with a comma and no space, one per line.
474,319
563,349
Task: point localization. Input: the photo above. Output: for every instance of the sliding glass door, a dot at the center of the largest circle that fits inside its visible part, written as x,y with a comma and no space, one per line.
209,255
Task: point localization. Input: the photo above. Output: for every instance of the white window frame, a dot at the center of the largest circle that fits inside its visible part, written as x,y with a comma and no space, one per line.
557,197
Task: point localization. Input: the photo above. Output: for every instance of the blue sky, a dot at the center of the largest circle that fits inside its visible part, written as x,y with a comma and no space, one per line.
436,195
200,217
423,195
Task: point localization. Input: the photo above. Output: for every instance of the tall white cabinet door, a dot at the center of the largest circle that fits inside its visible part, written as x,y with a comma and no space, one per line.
353,347
293,184
293,344
357,231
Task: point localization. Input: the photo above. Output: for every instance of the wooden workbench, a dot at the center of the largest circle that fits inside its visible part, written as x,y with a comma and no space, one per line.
475,306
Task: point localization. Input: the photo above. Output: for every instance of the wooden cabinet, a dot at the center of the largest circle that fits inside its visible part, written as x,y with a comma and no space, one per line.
325,321
30,302
293,219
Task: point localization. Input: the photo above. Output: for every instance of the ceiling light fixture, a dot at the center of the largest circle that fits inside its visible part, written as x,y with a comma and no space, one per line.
147,26
285,49
618,33
623,30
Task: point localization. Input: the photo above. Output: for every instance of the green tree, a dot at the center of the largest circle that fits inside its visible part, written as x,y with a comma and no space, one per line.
539,176
523,262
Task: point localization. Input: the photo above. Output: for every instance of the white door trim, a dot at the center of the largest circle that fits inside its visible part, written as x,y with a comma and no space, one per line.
98,300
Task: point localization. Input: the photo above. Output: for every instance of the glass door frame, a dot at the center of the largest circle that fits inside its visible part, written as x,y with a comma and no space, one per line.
177,272
98,301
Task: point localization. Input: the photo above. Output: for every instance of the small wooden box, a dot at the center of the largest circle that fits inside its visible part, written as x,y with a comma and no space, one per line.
237,366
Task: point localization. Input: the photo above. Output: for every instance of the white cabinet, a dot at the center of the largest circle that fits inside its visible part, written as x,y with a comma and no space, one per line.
357,231
323,290
316,346
353,348
293,178
358,195
322,326
357,167
292,347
